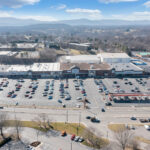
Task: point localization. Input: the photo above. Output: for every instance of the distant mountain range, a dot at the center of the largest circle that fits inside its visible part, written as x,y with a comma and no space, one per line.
104,22
78,22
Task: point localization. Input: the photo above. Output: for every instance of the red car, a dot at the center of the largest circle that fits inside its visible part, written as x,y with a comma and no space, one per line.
73,137
9,95
82,92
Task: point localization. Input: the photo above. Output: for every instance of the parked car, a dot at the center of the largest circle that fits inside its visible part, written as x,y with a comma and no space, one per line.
76,138
64,106
26,95
78,98
144,120
63,133
103,110
62,96
51,92
68,98
73,137
115,82
14,95
81,139
108,104
59,101
9,95
77,88
50,97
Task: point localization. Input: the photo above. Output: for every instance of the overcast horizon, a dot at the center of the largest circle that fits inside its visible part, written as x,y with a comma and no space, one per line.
55,10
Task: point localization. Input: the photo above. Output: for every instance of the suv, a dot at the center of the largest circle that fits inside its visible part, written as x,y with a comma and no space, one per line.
95,120
144,120
108,104
103,110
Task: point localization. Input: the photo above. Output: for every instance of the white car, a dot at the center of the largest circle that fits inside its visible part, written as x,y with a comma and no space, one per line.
76,138
147,127
78,105
81,139
79,98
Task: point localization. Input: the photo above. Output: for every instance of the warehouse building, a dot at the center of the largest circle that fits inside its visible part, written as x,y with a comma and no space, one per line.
81,46
37,70
114,57
46,70
85,70
19,71
125,69
143,54
101,65
91,59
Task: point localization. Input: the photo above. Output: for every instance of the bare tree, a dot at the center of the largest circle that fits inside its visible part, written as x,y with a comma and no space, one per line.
91,138
135,145
3,121
37,134
123,137
43,122
18,127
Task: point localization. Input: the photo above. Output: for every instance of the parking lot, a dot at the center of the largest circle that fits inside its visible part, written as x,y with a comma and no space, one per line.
48,92
71,93
125,90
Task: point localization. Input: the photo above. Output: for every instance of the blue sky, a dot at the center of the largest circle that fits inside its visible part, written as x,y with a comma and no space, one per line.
51,10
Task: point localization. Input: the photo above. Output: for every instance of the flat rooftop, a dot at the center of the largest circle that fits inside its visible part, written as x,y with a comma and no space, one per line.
82,58
113,55
36,67
84,66
125,67
80,44
7,53
19,68
45,67
26,45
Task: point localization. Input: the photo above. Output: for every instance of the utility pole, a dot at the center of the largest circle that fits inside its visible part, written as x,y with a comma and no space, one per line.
15,111
107,134
67,116
79,118
71,145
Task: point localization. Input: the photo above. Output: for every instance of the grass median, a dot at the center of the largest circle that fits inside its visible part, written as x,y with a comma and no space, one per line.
70,128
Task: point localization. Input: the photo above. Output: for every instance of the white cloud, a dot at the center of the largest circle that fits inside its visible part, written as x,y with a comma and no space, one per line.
61,6
37,17
116,1
145,15
17,3
5,14
85,13
147,4
79,10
